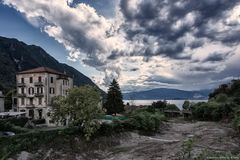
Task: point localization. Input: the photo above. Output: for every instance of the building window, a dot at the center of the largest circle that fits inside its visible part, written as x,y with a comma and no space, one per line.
31,91
51,90
31,113
22,101
22,90
31,101
40,90
31,80
40,101
40,113
39,79
22,80
51,80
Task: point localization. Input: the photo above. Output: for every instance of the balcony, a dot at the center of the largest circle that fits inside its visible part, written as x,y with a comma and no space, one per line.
21,95
30,95
39,95
38,83
21,84
30,105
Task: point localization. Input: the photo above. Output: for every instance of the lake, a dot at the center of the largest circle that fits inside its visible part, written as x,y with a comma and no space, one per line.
178,103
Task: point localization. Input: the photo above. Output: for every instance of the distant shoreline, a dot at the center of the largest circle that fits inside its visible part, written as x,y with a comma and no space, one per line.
177,102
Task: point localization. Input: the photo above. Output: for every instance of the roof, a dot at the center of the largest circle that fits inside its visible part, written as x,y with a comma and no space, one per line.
41,70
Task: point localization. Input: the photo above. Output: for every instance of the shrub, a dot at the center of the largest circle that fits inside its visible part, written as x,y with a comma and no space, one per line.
236,123
7,126
159,105
221,98
186,105
146,121
172,107
16,121
39,121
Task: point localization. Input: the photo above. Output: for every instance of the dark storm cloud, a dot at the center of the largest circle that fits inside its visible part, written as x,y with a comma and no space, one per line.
203,69
162,79
156,18
217,57
196,44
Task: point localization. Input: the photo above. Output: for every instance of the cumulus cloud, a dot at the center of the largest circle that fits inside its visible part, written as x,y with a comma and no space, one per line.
148,43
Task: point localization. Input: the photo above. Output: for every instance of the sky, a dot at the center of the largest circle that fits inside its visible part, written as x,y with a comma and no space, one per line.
144,44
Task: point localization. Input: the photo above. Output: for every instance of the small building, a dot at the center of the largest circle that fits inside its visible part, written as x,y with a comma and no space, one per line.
36,88
2,109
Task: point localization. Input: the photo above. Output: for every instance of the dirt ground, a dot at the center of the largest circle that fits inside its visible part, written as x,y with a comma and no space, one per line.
165,145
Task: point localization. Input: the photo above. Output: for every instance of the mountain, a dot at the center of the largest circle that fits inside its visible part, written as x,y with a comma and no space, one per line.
165,93
16,56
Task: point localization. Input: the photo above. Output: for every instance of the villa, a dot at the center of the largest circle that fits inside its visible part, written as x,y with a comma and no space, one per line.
36,88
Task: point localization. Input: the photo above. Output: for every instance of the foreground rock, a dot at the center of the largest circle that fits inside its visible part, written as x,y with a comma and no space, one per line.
166,144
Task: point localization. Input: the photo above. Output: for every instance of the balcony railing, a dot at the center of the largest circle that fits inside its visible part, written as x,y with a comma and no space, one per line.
30,105
30,95
21,84
21,95
39,95
38,83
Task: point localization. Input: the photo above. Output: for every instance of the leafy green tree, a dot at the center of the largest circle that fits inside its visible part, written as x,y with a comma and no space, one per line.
8,99
186,105
114,103
172,107
81,107
160,105
221,98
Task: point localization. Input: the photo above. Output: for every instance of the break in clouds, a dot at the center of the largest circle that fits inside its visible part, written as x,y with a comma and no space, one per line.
185,44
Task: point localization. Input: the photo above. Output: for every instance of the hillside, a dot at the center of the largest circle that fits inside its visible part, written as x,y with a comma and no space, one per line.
16,56
165,93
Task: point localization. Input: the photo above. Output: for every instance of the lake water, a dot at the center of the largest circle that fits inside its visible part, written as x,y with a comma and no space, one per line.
178,103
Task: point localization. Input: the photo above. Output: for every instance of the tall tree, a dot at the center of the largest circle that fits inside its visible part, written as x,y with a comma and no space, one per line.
114,103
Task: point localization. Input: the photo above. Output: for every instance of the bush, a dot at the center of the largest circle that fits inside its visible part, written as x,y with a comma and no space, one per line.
172,107
146,121
16,121
32,140
39,121
221,98
159,105
236,123
7,126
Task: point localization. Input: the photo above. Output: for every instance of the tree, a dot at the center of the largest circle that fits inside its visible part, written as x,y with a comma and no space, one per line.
114,103
160,105
8,99
186,105
81,107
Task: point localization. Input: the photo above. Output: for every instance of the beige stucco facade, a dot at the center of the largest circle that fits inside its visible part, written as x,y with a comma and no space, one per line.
36,90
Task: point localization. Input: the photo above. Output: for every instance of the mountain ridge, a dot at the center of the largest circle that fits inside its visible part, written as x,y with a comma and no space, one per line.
166,93
17,56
